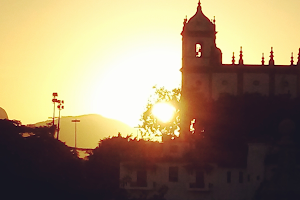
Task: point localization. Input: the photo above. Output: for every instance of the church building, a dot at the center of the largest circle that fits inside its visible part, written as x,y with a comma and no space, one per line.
227,164
204,75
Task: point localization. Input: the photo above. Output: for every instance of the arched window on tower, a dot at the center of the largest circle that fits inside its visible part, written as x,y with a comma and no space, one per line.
198,50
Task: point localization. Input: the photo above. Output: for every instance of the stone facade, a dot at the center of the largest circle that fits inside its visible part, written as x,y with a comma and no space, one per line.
204,75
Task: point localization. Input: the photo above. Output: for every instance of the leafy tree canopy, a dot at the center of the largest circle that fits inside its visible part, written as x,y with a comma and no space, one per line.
151,126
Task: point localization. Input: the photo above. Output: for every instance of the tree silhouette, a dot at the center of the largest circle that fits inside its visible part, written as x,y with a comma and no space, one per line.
103,168
34,163
103,165
151,126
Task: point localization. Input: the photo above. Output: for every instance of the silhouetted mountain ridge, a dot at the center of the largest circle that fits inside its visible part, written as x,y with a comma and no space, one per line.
90,129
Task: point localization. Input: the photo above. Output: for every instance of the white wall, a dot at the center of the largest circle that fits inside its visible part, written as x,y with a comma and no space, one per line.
217,179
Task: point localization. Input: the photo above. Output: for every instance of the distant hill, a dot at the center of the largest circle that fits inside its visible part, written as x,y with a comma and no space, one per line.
90,129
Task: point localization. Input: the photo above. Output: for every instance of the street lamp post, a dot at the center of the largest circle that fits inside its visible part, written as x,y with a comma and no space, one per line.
60,107
54,100
75,121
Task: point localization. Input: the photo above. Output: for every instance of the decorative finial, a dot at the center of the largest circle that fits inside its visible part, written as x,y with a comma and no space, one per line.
214,20
298,62
233,59
241,61
271,61
263,59
292,59
199,6
185,20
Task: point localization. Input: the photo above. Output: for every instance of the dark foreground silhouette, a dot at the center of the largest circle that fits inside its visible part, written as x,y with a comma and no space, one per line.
36,165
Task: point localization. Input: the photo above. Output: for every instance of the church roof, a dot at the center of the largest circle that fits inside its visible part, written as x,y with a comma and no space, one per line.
199,22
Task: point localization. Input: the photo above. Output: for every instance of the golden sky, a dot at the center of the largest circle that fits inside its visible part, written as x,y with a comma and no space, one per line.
104,56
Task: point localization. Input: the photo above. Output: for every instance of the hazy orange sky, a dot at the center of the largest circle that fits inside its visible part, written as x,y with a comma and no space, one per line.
104,56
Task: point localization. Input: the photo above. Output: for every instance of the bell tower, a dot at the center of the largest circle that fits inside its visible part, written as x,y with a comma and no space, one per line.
198,42
200,57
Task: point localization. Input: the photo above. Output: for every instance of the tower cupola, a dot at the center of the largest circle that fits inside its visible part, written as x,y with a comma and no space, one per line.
199,22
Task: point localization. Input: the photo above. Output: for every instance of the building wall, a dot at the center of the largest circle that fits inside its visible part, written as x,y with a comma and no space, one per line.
257,153
212,85
256,83
216,182
233,190
197,83
189,51
224,83
159,178
286,84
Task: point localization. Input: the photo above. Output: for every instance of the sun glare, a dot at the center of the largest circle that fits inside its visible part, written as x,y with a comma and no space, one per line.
121,90
163,111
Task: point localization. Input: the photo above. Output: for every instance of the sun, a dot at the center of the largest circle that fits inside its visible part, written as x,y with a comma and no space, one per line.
163,111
